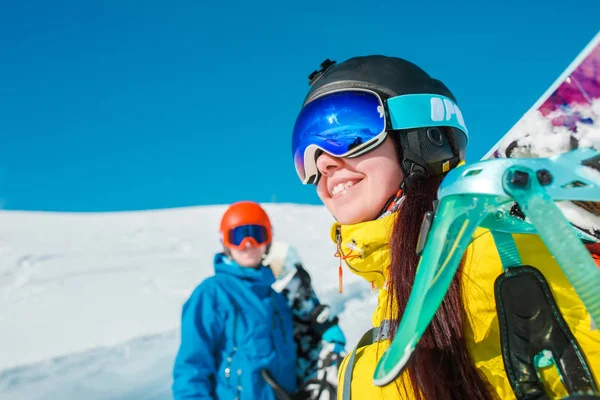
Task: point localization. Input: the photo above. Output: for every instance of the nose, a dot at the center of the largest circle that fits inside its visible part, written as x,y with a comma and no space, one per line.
248,244
326,163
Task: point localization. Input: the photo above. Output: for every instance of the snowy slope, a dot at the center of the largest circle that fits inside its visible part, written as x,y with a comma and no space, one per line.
90,303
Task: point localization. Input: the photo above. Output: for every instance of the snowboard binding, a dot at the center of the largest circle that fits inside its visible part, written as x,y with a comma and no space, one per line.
482,195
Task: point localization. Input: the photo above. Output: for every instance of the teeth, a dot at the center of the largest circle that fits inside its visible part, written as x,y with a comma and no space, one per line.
338,188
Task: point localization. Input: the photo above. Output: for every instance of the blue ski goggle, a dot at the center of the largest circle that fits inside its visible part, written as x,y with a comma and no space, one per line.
351,122
256,234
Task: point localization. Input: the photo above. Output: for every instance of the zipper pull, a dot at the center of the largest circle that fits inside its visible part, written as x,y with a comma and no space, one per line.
341,277
228,369
338,239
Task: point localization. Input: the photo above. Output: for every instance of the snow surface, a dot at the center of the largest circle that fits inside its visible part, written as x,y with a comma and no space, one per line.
90,303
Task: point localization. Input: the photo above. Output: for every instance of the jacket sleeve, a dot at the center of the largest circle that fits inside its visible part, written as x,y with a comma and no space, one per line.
194,373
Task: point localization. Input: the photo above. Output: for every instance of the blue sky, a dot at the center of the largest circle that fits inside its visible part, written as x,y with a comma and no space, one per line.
130,105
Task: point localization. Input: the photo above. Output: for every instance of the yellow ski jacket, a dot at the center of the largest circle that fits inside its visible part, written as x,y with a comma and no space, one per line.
482,267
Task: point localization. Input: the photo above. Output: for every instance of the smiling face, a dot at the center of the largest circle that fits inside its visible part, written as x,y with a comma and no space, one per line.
356,189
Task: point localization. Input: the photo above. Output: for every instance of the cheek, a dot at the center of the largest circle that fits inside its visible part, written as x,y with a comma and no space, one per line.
322,192
325,198
262,250
385,179
390,178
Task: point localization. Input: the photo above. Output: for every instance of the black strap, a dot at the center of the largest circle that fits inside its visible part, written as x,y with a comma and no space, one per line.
530,325
280,392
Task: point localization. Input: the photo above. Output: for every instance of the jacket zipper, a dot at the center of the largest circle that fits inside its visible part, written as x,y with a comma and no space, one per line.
230,357
338,237
238,395
228,368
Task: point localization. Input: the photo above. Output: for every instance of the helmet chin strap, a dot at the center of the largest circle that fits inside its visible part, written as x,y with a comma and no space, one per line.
418,174
393,203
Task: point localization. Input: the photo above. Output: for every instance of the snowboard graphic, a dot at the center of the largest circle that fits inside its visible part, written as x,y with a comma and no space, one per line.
566,117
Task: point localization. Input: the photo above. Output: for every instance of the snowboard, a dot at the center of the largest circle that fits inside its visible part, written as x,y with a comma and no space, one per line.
316,364
565,117
564,125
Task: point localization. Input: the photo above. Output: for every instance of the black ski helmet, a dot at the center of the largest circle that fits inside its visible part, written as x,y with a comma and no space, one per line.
424,151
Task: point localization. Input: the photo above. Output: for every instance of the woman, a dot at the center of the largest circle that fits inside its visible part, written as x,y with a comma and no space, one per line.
235,327
376,135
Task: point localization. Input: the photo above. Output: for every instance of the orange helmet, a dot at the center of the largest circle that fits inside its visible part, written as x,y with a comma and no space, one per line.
245,221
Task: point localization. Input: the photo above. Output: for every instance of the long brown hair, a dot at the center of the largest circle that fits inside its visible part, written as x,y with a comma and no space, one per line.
441,367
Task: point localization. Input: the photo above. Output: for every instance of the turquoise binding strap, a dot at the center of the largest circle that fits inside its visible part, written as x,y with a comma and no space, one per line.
507,248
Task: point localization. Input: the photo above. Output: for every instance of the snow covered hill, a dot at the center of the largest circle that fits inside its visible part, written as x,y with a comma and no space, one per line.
90,303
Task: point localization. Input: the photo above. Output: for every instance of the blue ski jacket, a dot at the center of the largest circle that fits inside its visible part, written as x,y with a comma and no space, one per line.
233,326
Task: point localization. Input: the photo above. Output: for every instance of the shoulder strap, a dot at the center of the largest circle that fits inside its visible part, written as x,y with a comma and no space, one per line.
371,336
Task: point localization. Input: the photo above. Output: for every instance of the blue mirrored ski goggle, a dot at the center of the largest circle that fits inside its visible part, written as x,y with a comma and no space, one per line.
349,123
256,234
